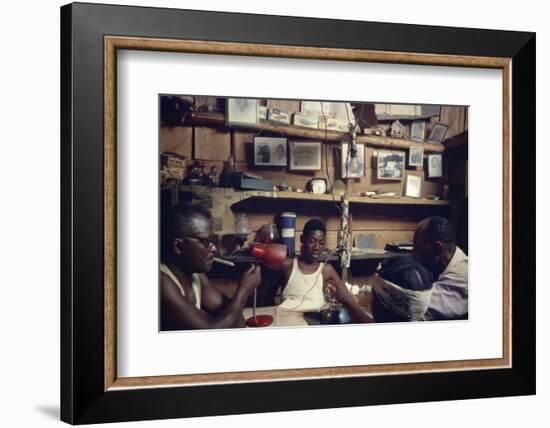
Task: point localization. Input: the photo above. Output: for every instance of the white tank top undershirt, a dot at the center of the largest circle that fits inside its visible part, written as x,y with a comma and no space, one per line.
303,291
195,283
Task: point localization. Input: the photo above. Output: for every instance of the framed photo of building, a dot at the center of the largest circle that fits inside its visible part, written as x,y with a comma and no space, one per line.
416,156
390,165
270,151
305,156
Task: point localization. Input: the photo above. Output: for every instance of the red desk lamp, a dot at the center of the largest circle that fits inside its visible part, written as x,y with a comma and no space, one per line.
273,256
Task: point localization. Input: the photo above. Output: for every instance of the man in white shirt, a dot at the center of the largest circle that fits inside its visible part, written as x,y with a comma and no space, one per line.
435,248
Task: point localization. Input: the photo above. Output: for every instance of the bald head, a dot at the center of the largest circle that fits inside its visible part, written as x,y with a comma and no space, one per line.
434,243
437,229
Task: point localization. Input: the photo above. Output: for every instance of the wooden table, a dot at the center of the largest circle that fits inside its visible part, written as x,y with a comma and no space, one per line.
284,318
280,318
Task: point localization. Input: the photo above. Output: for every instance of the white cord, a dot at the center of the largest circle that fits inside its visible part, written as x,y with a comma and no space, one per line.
320,271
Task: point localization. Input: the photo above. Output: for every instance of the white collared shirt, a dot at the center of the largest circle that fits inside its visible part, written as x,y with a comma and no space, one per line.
450,292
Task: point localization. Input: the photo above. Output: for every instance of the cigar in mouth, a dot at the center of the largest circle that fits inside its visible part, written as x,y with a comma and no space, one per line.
223,262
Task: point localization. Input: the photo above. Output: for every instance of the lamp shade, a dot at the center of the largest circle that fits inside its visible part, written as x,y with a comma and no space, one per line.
272,255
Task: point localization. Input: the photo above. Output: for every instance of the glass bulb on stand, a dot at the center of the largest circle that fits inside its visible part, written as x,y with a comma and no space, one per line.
242,228
353,167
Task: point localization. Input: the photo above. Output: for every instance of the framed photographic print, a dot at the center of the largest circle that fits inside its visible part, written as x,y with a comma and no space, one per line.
269,151
115,363
390,165
412,186
418,130
242,111
353,164
305,156
438,133
435,166
328,109
416,156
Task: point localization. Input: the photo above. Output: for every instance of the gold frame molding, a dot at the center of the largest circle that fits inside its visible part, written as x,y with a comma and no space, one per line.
113,43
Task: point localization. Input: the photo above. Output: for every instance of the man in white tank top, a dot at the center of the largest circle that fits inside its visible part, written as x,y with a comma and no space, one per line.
306,275
187,299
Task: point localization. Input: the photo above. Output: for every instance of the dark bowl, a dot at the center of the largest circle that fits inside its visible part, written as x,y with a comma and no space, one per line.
334,316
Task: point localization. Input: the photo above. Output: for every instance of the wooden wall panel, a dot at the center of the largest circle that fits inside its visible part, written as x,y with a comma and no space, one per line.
382,237
178,139
455,118
211,144
240,140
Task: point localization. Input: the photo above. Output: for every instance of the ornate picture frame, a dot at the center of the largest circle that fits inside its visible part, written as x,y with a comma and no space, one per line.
91,390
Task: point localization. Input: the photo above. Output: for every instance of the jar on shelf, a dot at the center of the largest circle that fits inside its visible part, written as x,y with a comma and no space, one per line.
268,234
242,227
196,174
228,169
214,176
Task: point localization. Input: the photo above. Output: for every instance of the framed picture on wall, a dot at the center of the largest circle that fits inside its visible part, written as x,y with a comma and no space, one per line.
242,111
438,133
113,370
435,166
390,165
305,156
416,156
413,186
418,130
270,151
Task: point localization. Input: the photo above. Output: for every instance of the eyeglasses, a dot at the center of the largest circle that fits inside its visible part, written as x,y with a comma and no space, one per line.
205,242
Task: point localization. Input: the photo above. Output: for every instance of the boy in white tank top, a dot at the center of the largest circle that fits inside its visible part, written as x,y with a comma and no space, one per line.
306,275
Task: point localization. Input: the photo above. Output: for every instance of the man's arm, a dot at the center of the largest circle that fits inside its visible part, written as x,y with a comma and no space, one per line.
330,273
179,314
338,288
449,299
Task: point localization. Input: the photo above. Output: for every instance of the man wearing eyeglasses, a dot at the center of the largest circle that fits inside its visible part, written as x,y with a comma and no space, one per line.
187,299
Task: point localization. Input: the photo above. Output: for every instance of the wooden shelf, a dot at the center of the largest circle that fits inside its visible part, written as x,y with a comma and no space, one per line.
397,201
382,254
218,120
395,143
244,195
352,199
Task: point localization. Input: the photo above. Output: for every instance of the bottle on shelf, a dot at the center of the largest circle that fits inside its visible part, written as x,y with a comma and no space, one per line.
228,169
